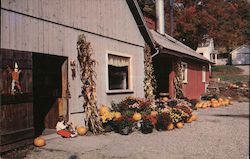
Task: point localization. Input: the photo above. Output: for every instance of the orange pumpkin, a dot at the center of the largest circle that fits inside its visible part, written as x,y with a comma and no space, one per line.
39,142
154,113
190,120
117,115
103,110
179,125
170,126
81,130
137,116
194,117
165,99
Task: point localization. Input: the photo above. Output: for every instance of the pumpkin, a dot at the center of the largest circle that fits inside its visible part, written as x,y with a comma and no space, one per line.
179,125
137,116
199,105
214,104
170,126
154,113
81,130
39,142
220,99
190,120
194,117
165,99
117,115
213,99
103,110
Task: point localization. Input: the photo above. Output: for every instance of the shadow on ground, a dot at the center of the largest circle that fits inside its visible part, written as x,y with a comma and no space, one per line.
233,115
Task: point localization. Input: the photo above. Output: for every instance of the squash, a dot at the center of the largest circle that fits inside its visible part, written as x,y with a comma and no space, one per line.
39,142
170,126
137,116
117,115
190,120
231,102
154,113
103,110
194,117
81,130
165,99
179,125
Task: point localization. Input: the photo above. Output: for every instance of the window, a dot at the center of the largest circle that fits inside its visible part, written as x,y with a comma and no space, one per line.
118,73
184,72
203,73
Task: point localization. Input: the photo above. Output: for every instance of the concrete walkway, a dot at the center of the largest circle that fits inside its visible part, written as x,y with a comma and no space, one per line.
219,133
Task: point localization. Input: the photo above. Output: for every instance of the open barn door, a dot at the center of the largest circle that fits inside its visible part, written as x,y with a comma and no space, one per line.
50,83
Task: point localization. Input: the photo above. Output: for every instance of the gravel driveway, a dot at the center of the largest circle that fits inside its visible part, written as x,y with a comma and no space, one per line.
219,133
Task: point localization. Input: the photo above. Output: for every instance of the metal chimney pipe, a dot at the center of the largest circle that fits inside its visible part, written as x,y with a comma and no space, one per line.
160,16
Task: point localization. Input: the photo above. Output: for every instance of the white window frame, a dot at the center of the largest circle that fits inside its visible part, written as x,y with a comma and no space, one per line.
184,66
130,77
203,75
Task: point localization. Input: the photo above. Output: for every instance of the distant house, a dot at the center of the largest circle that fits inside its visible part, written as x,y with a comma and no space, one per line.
207,50
41,37
240,55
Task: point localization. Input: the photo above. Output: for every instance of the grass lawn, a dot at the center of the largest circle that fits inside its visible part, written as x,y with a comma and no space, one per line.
229,73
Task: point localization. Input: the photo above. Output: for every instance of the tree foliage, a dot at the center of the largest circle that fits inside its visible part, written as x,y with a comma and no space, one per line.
226,21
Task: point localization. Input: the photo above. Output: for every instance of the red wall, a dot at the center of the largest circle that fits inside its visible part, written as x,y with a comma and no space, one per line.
194,88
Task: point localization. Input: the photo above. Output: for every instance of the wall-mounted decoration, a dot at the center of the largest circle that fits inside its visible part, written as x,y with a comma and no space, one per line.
73,68
15,84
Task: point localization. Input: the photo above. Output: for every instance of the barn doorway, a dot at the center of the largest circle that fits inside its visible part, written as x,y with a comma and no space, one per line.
49,85
162,69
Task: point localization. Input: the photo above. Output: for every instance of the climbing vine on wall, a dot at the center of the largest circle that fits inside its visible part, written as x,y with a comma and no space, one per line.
88,77
149,80
178,79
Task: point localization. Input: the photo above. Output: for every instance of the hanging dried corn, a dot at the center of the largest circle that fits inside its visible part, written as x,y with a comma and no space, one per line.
178,79
149,80
89,86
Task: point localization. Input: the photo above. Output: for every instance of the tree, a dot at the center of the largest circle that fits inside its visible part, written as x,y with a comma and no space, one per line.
227,22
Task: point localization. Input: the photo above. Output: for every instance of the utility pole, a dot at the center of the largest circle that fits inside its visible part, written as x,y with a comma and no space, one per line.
171,17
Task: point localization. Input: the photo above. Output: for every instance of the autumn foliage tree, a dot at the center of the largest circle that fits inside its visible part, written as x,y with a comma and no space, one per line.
226,21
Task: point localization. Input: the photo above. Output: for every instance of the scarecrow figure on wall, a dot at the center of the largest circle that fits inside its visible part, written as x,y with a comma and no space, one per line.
15,84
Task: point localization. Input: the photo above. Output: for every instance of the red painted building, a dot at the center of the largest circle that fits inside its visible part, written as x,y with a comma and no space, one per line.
195,67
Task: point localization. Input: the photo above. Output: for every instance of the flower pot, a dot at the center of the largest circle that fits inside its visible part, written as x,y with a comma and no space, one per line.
125,131
146,130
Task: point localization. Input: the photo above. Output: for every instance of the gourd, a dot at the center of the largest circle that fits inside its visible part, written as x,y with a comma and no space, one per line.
117,115
179,125
137,116
81,130
39,142
170,126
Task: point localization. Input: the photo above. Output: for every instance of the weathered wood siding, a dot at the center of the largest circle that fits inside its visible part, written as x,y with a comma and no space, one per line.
52,27
16,111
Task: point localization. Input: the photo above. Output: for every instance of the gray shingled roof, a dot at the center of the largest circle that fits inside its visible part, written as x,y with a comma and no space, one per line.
170,43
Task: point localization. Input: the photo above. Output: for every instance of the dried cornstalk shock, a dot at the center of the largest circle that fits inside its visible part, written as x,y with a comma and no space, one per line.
178,79
88,76
149,80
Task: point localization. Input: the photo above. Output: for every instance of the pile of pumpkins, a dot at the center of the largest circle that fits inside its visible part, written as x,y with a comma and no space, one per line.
214,103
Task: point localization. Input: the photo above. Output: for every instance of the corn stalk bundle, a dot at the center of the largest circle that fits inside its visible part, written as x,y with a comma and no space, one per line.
149,80
88,76
178,79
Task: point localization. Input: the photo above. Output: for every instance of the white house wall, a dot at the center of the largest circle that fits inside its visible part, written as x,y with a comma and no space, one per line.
52,27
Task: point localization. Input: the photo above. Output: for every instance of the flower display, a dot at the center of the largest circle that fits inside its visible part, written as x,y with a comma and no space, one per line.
133,114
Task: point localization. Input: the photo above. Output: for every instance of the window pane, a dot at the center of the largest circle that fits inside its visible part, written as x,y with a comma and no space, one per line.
118,77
